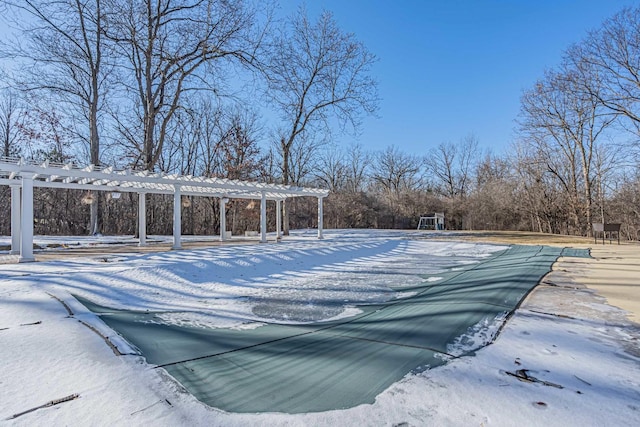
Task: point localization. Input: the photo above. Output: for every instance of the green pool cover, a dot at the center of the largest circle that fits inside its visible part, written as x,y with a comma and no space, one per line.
341,364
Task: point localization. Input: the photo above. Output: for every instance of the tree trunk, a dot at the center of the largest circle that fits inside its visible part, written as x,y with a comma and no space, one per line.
286,147
95,227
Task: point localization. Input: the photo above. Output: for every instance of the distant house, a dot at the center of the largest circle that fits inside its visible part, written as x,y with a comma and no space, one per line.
432,221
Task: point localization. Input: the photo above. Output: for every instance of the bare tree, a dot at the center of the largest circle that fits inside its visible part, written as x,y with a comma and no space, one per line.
492,202
9,128
452,165
396,171
606,158
564,123
183,146
43,135
171,47
331,169
611,54
316,74
242,158
539,197
63,42
357,163
624,205
397,175
303,158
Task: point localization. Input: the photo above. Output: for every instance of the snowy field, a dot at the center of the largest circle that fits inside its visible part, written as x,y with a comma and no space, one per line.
581,368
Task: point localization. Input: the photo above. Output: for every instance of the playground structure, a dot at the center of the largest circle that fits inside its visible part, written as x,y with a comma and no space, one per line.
432,221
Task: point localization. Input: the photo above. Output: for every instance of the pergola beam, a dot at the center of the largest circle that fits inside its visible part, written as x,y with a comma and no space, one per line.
68,174
125,187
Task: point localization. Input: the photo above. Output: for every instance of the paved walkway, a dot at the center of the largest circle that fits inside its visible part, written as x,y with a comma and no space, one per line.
614,273
102,250
341,364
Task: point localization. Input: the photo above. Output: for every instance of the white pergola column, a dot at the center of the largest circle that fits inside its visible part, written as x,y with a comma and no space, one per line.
223,218
320,217
16,214
177,217
278,219
142,219
26,226
263,218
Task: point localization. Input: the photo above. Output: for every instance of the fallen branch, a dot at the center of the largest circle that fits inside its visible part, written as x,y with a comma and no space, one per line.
39,322
31,324
46,405
522,375
586,382
563,316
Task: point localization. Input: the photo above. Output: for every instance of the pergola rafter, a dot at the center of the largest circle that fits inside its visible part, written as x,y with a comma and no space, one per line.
22,176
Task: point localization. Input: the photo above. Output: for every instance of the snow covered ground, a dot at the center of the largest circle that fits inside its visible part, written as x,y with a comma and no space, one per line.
565,358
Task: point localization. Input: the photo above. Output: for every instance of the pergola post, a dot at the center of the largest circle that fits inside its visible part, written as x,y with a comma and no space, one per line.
177,217
16,214
142,219
223,218
263,218
26,226
278,219
320,217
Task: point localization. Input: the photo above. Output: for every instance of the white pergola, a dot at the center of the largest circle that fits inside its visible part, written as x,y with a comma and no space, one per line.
22,176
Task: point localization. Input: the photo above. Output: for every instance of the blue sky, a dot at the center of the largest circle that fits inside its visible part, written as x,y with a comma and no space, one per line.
448,69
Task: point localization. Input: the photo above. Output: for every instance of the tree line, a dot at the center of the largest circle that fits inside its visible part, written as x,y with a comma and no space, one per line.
182,86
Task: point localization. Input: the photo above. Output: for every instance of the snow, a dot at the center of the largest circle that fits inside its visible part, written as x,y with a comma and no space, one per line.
479,335
590,350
